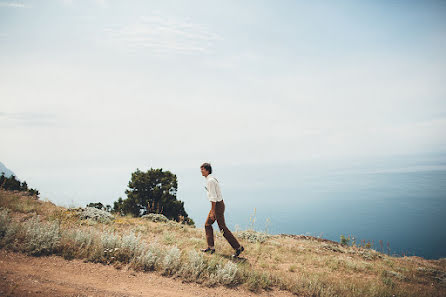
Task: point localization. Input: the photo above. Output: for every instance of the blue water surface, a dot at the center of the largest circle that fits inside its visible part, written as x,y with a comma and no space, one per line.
405,210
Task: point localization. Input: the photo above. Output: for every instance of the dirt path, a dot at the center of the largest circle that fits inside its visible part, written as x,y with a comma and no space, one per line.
22,275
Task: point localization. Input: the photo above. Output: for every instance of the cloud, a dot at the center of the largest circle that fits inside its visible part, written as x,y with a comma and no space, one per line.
102,3
14,5
28,118
162,34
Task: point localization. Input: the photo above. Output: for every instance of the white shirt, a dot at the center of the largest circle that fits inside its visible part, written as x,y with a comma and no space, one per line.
213,189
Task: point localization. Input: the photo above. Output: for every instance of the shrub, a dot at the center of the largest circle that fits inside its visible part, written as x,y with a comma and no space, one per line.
95,214
110,243
155,217
149,259
345,240
78,243
367,254
131,243
171,261
8,229
109,240
226,274
5,221
253,236
41,238
83,239
195,265
169,238
188,221
130,247
173,224
258,280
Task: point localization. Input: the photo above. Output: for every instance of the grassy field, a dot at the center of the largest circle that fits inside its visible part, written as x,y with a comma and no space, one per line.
304,265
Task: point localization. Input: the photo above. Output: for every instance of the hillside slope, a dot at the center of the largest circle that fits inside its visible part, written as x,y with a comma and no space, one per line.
153,251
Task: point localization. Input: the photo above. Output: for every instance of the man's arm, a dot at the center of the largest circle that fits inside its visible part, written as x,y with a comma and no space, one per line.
212,196
213,208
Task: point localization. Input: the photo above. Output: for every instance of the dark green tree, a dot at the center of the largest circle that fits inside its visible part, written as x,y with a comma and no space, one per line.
24,186
13,184
97,205
118,206
33,192
152,191
2,180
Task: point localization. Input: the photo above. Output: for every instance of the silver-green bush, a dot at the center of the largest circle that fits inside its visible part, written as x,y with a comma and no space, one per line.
155,217
195,265
253,236
150,258
83,239
5,221
94,214
131,244
171,261
41,238
110,240
8,229
226,274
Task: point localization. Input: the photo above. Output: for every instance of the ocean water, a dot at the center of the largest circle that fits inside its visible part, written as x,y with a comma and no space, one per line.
405,209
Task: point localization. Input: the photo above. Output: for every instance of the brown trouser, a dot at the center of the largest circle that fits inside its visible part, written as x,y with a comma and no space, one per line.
219,214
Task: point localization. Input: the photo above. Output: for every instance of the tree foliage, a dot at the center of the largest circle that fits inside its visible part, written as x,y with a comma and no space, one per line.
99,205
13,184
153,191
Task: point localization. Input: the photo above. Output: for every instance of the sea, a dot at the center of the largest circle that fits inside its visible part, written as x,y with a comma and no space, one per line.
400,211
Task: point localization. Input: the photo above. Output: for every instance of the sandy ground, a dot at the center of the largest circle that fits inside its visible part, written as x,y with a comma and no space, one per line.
22,275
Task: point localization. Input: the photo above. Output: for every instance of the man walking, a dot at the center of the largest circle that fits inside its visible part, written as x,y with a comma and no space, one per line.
216,213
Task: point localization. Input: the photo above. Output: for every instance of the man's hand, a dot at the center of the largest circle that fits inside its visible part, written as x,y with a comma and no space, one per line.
212,215
213,206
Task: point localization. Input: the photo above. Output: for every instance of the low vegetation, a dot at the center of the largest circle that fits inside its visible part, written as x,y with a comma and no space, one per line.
304,265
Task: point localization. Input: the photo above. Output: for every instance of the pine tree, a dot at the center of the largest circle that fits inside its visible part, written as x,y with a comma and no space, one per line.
152,191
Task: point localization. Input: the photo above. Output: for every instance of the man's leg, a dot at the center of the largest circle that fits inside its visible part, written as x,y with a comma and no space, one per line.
220,208
209,230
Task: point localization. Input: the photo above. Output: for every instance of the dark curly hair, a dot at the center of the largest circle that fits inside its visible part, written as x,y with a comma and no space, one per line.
207,166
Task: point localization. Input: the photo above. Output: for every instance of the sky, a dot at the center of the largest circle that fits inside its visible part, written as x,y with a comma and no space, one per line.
92,90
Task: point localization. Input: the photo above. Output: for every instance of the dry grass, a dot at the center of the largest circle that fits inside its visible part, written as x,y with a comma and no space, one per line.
304,265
